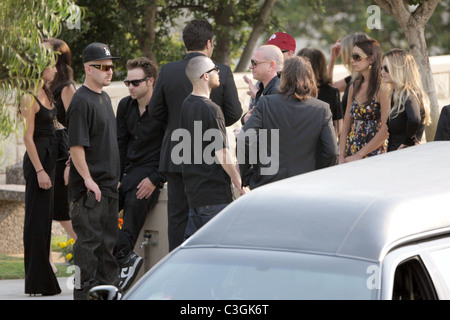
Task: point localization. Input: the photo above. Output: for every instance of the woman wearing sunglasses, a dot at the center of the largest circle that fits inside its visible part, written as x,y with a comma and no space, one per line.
365,131
410,110
344,48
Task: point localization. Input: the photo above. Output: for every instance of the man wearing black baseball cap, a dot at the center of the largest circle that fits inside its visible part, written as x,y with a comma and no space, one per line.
94,176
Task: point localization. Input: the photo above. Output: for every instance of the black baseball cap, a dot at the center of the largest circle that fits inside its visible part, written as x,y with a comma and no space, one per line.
97,51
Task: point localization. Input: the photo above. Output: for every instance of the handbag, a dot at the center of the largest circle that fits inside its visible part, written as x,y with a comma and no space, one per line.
63,144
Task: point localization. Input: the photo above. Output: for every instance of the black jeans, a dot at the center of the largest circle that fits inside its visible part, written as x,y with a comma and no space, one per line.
198,217
93,257
134,213
177,209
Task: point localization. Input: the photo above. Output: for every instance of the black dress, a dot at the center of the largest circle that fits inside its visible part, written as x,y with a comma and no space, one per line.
61,202
39,275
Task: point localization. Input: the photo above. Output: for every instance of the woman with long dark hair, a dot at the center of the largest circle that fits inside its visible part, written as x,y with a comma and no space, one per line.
38,113
62,88
326,92
365,132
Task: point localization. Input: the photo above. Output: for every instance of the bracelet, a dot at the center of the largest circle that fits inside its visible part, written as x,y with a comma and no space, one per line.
40,170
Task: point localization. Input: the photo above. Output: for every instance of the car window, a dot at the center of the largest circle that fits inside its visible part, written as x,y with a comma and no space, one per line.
205,273
441,260
412,281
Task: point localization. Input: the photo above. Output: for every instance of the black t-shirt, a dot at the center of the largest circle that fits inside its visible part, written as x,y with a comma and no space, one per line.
92,124
206,183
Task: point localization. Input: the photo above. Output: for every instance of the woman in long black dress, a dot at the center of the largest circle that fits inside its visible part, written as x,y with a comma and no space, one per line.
62,88
38,112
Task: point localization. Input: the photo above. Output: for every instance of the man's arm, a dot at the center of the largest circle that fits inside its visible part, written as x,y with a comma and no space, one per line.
226,161
231,107
158,108
78,158
123,135
327,154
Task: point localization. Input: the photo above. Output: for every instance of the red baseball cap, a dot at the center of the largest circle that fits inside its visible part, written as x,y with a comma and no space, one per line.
282,40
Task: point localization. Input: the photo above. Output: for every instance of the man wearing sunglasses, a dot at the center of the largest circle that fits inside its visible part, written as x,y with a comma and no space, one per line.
266,63
171,88
207,184
139,138
94,175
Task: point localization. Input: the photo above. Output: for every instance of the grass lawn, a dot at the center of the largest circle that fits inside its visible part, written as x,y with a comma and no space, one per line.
12,267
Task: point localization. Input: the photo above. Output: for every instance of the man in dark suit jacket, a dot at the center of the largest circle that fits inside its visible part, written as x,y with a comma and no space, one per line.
443,126
171,88
299,131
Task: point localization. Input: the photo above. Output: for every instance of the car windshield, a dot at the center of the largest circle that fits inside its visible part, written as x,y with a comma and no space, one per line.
207,273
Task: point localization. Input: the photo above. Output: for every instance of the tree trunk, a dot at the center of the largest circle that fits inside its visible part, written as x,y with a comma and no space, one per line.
413,25
258,29
418,48
147,38
222,18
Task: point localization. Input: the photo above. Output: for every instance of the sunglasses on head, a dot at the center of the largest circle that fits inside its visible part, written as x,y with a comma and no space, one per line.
385,68
358,57
102,67
135,83
216,68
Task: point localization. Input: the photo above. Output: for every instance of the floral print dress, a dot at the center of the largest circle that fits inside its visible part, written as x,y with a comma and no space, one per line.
365,122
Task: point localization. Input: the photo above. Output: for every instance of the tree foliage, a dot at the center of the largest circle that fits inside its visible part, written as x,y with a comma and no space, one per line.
22,56
321,25
153,28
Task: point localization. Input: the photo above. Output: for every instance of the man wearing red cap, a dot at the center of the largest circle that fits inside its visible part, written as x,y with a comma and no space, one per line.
285,42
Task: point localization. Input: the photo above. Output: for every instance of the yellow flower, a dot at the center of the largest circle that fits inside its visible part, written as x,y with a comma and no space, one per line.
63,245
71,241
69,256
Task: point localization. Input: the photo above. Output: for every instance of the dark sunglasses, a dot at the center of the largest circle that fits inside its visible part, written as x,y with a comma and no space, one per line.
102,67
216,68
135,83
385,68
254,63
357,57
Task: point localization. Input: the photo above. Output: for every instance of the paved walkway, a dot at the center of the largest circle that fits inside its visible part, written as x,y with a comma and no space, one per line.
14,290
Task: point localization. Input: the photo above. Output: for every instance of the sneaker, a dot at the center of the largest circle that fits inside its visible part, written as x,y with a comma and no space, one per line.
129,268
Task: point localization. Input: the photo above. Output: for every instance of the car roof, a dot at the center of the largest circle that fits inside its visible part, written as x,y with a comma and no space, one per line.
360,209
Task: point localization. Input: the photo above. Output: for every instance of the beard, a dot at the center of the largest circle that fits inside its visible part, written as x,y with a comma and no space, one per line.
214,82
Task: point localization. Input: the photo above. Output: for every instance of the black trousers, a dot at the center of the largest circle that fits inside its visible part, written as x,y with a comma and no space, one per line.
177,209
96,230
134,214
39,276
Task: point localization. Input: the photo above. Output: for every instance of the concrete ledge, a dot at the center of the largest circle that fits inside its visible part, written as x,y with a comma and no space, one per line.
12,192
155,225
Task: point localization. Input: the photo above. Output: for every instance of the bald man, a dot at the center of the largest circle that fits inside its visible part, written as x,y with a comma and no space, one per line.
267,62
207,166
